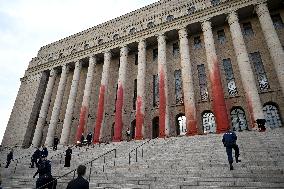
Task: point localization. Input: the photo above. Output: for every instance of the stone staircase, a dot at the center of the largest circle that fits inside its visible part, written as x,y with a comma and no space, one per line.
177,162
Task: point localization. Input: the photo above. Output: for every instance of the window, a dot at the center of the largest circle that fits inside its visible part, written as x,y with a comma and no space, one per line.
255,59
155,54
136,59
178,87
202,82
247,29
277,21
86,46
132,30
197,42
215,2
272,116
135,94
208,122
170,18
238,118
150,25
221,36
231,84
155,90
191,10
175,49
115,36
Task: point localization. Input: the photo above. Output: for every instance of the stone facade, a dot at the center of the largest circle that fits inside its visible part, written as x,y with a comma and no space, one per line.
86,82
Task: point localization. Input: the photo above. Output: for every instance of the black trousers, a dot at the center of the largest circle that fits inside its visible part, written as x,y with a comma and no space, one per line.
67,161
8,163
33,162
55,147
229,150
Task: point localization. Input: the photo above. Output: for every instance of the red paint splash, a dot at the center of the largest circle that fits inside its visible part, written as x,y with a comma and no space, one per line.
250,109
219,106
82,122
100,115
139,119
118,115
191,122
162,106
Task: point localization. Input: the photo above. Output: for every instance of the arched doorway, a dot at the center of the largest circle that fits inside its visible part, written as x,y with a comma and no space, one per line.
155,127
208,122
132,129
238,118
272,116
181,124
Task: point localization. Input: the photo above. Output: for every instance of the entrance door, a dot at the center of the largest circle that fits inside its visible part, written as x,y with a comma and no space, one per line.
155,127
132,129
181,124
239,121
272,116
208,122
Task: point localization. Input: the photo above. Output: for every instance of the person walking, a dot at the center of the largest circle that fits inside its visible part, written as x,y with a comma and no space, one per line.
68,154
45,179
79,182
35,158
55,143
9,158
229,140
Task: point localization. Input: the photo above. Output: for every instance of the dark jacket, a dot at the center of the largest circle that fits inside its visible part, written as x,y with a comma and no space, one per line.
68,152
78,183
10,156
44,152
229,139
55,141
36,154
89,137
44,169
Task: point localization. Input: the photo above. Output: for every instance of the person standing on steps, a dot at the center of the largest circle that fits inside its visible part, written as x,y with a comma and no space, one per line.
128,134
44,151
229,140
55,143
79,182
68,154
89,138
35,157
9,158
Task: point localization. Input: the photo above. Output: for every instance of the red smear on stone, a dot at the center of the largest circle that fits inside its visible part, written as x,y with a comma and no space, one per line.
250,109
82,122
219,106
191,122
162,106
139,119
100,115
118,115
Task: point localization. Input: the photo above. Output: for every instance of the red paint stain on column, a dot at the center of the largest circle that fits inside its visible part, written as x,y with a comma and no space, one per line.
82,122
250,109
219,106
139,119
162,106
191,123
100,115
118,115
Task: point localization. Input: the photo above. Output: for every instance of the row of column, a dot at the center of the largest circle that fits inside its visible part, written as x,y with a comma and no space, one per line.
218,100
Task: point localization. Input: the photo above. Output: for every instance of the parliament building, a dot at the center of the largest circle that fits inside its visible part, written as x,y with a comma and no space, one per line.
175,67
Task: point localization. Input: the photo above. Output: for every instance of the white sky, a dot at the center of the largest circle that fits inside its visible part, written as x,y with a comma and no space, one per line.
26,25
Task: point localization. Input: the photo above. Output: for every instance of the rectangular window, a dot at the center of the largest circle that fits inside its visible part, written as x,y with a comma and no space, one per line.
135,94
277,21
155,54
178,87
221,36
229,73
155,90
175,49
202,82
197,42
247,29
136,59
255,59
215,2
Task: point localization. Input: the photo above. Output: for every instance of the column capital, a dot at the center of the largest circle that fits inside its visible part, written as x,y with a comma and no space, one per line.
183,33
124,50
92,59
206,25
107,55
143,40
232,17
142,44
78,64
52,72
261,9
65,68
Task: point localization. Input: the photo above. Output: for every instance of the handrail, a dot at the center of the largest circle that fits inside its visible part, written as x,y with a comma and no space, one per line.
74,170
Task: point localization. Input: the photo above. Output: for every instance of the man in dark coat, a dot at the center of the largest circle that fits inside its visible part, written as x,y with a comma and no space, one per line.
9,158
44,151
45,177
68,154
55,143
229,140
35,157
89,138
79,182
82,139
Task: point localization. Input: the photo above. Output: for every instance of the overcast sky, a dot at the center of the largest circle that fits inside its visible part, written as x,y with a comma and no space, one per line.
26,25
